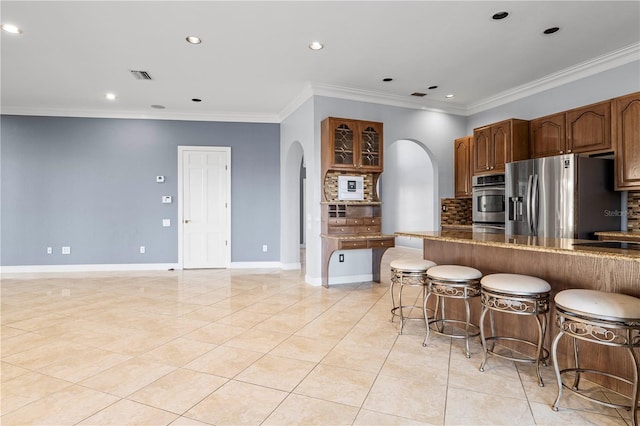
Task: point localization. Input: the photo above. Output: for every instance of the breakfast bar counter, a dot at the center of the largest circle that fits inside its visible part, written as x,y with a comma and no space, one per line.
563,263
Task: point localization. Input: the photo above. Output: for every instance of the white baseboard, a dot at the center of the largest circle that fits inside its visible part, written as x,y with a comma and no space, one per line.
88,268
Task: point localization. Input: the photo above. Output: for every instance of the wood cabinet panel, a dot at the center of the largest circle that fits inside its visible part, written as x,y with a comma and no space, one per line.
589,128
481,148
626,134
462,166
547,135
499,143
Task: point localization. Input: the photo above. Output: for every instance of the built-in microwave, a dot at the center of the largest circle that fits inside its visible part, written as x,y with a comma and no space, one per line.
488,201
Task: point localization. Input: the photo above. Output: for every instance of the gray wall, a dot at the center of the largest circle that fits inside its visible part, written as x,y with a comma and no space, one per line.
90,184
595,88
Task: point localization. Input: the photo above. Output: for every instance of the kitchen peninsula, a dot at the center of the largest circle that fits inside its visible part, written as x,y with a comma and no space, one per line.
561,262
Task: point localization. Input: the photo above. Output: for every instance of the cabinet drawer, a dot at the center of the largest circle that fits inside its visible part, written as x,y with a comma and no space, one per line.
387,242
355,221
372,221
352,244
342,229
336,221
372,229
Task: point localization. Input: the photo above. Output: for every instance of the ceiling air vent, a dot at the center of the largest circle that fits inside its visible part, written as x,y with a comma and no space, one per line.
140,75
418,94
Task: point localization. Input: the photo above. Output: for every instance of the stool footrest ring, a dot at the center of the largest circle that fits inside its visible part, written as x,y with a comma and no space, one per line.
543,357
474,327
590,398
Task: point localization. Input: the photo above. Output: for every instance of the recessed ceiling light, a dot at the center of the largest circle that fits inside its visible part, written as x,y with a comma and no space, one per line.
158,106
194,40
387,79
449,96
10,28
500,15
110,96
551,30
433,87
196,100
315,45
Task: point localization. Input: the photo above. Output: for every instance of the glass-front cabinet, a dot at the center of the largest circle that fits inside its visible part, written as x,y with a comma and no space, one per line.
353,144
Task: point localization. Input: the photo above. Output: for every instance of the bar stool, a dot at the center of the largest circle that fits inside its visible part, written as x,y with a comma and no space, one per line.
452,282
519,295
602,318
406,272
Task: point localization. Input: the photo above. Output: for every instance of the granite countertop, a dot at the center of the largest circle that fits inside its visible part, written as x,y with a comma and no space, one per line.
448,226
357,236
521,242
618,234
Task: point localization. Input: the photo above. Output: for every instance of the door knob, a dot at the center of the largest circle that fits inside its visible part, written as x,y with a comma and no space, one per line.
187,221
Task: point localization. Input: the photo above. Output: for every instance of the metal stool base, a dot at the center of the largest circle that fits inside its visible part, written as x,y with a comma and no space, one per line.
406,278
609,332
451,289
533,304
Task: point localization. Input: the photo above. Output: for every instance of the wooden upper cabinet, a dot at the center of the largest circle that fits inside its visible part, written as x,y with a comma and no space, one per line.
481,150
462,166
498,144
584,130
547,135
626,136
352,145
589,129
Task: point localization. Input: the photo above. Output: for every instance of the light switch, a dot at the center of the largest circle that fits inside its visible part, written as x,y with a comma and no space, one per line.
166,199
166,222
160,179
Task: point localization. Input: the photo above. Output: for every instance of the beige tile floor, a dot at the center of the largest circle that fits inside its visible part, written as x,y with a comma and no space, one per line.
247,347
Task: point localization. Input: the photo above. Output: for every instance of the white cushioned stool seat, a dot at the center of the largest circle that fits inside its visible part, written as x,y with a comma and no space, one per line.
411,265
599,303
515,284
454,273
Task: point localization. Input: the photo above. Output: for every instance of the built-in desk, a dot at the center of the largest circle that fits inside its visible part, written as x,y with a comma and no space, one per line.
557,261
378,243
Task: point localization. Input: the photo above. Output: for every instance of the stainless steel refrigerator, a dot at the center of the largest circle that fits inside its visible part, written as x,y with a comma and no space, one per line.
565,196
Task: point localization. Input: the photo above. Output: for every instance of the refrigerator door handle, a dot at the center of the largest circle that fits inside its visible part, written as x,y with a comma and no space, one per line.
535,199
528,201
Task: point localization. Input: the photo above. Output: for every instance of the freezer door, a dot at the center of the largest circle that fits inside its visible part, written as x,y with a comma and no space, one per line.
518,177
553,198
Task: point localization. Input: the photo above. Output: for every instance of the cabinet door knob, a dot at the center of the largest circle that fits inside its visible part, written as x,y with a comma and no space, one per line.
561,152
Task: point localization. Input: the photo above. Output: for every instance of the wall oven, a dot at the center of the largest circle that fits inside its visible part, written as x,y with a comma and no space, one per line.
488,203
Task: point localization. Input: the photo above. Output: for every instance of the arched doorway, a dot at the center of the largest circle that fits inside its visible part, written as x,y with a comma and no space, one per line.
293,195
409,190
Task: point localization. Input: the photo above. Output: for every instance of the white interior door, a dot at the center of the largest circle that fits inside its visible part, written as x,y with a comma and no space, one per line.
204,204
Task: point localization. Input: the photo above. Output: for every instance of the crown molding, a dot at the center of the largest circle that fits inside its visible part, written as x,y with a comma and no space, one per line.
160,115
297,102
593,66
360,95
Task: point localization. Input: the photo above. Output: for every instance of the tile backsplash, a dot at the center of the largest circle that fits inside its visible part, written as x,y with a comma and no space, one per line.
633,211
455,211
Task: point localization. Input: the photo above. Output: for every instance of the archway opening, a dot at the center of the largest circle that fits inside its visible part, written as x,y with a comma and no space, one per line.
409,190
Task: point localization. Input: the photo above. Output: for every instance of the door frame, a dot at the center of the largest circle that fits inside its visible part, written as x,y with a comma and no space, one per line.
181,151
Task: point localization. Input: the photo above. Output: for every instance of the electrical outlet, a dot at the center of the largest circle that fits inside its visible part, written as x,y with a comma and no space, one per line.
341,258
166,199
49,250
265,248
166,222
66,250
142,249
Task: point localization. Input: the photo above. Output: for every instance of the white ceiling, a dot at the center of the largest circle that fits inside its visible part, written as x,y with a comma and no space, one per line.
254,63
